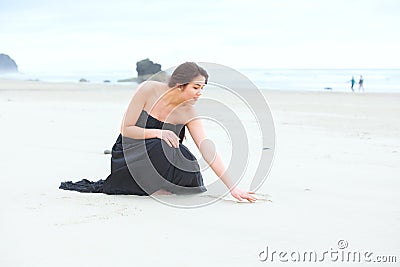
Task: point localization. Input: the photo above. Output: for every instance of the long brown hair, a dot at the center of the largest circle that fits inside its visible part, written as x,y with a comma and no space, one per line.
184,74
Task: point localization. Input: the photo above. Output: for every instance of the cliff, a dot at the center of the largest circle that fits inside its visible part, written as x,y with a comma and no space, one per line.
7,64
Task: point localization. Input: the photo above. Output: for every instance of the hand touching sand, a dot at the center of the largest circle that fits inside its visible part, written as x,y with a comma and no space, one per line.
241,195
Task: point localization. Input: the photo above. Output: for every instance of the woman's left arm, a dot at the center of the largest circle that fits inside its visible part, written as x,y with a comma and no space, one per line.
209,153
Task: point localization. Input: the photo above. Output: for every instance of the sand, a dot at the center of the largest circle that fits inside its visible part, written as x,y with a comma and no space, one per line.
335,177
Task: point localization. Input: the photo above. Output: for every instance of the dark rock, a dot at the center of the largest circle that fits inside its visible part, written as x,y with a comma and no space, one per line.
106,81
7,64
146,68
107,151
83,80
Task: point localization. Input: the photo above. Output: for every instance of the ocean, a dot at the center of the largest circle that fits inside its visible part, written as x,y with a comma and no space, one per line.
335,80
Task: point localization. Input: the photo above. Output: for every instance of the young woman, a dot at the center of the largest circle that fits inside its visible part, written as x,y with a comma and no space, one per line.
148,156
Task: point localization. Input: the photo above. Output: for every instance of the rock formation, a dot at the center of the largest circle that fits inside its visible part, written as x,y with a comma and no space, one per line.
7,64
146,69
146,66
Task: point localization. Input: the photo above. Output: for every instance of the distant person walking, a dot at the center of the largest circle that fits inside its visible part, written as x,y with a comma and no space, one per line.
353,81
361,83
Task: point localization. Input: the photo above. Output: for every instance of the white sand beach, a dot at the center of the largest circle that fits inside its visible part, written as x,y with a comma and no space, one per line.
335,177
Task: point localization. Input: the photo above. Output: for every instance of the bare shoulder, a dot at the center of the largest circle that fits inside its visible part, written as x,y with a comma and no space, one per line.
149,87
189,112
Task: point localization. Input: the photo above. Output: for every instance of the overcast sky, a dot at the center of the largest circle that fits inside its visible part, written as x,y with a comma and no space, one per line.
49,35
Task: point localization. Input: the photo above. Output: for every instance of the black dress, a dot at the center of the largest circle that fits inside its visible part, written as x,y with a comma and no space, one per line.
143,166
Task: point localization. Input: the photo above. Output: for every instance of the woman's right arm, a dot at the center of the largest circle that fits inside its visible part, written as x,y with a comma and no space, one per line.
128,127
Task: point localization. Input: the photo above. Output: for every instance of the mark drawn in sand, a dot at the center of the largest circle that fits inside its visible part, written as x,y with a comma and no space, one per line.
263,198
